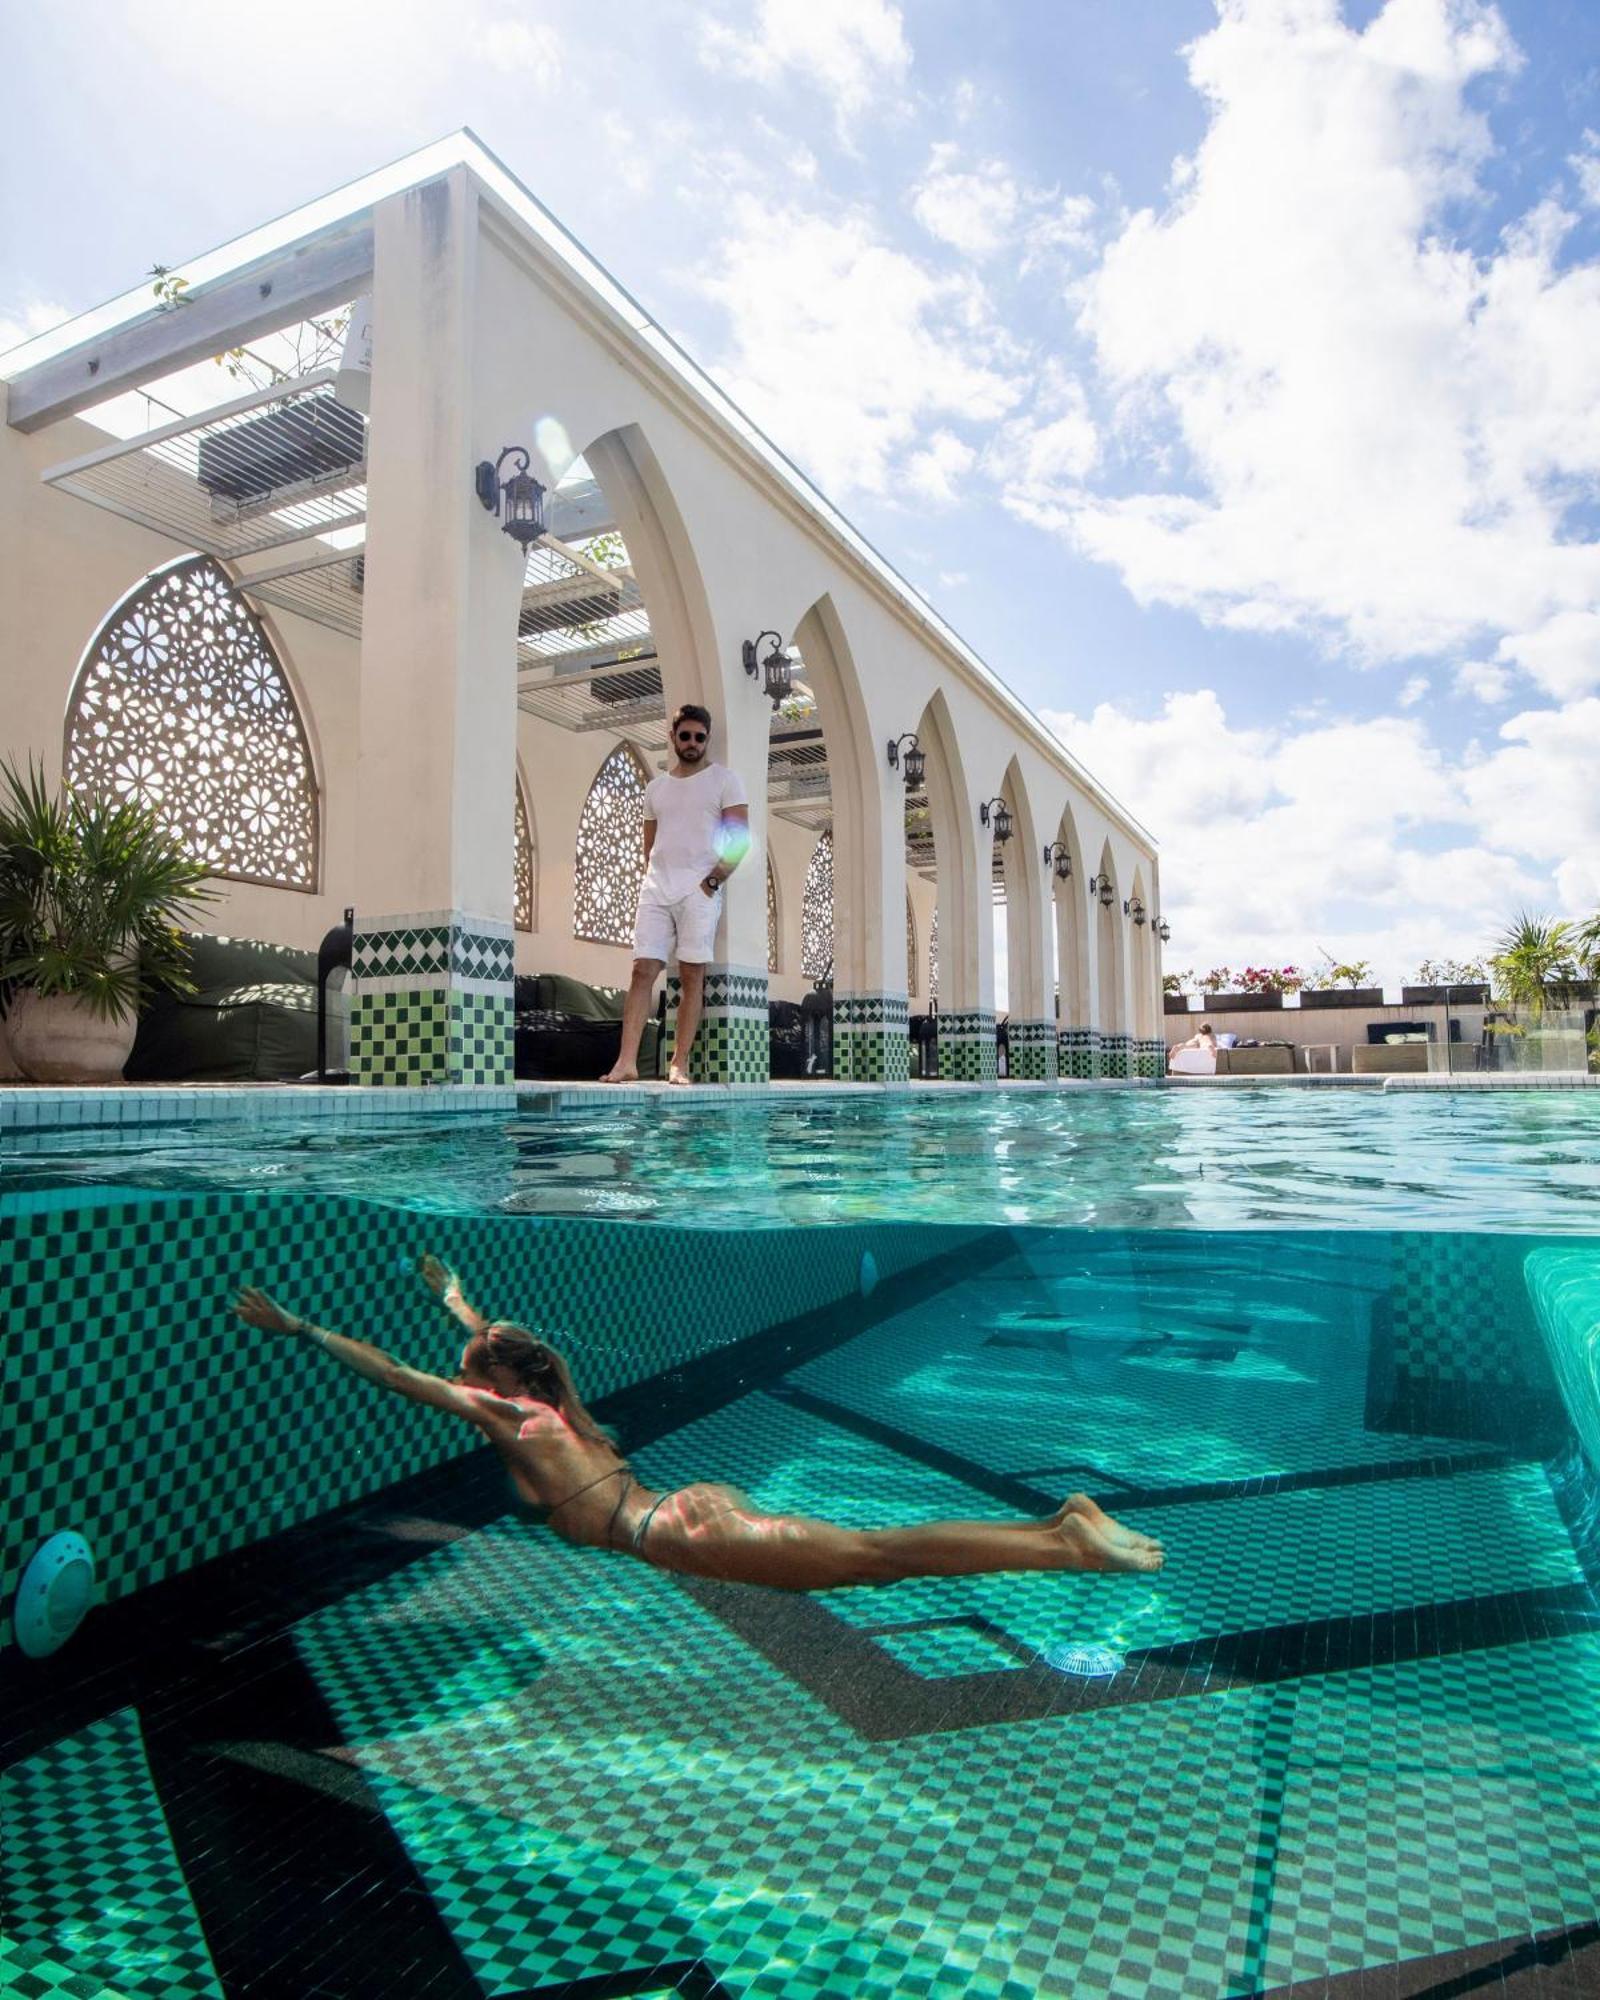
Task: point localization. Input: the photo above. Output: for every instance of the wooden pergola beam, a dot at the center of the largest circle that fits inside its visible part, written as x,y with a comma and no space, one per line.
306,278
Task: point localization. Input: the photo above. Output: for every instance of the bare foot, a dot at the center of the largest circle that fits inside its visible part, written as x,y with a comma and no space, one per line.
1085,1509
1084,1547
620,1075
677,1074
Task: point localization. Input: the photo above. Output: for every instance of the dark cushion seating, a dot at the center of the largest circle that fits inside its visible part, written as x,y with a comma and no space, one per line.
569,1031
252,1018
786,1029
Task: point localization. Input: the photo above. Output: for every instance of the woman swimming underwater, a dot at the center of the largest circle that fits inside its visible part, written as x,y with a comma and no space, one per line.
518,1391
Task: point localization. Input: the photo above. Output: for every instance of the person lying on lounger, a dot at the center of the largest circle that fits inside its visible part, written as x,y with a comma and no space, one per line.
519,1392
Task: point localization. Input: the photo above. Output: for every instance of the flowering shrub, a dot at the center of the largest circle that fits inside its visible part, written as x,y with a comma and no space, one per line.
1264,979
1217,981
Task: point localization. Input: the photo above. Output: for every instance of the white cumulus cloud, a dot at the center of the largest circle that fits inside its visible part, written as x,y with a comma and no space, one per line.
855,356
1362,838
853,50
1341,421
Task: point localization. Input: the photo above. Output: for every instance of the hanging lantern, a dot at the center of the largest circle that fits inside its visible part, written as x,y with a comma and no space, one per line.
519,500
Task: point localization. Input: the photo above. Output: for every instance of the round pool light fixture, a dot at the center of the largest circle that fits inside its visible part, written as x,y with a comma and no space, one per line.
55,1595
1087,1662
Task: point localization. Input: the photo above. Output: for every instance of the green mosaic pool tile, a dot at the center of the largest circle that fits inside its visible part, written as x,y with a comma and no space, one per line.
88,1871
1234,1565
149,1285
26,1973
1461,1311
946,1650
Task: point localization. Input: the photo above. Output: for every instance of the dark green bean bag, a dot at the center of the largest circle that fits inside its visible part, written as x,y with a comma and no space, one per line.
252,1018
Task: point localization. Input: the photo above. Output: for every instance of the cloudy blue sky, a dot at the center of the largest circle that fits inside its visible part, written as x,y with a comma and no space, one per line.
1226,373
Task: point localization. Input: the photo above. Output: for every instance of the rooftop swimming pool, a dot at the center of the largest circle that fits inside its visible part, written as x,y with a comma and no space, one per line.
1111,1160
350,1726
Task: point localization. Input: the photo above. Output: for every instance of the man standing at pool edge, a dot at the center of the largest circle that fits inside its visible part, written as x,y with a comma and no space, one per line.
696,832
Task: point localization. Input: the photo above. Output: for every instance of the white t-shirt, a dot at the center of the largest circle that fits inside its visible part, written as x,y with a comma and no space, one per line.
688,815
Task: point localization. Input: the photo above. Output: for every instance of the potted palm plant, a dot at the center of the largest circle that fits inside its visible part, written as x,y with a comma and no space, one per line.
91,890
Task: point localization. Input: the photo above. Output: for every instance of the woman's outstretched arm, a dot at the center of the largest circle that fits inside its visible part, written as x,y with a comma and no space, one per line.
257,1309
446,1288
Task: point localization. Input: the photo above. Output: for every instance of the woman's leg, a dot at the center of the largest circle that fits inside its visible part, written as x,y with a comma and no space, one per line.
715,1532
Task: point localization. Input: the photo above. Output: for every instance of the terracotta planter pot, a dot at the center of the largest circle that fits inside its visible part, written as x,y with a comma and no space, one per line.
56,1039
1344,996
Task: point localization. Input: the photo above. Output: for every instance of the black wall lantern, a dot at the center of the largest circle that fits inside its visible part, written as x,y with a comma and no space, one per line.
1056,854
777,666
913,759
519,500
1135,909
997,809
1101,887
1164,931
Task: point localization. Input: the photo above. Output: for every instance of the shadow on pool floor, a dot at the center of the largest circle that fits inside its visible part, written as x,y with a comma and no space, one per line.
423,1749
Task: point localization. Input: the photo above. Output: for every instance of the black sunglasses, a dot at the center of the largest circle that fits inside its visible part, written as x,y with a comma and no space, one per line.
691,736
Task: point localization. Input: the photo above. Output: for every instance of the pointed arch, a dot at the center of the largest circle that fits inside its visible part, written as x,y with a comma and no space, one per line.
816,913
663,561
1020,865
1142,998
1072,927
858,953
1111,980
182,703
965,901
608,864
525,860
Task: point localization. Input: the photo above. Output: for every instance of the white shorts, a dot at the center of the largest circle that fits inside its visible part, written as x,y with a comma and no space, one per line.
685,930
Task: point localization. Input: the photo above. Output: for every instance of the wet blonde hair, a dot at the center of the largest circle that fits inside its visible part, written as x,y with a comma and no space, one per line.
540,1371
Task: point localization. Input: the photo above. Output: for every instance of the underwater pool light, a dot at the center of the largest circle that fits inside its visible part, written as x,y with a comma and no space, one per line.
55,1594
1087,1662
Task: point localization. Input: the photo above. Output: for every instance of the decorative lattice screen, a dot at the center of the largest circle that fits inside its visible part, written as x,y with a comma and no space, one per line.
816,913
911,950
772,919
933,954
522,893
609,865
183,705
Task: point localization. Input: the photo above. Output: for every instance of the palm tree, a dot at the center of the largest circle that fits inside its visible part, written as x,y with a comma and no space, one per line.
1586,940
1533,960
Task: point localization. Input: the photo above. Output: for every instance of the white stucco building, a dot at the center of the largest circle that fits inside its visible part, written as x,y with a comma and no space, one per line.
278,608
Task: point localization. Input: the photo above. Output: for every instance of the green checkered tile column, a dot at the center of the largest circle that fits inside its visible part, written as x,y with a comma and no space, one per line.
1078,1053
966,1046
1116,1054
88,1871
1155,1059
432,1000
871,1037
734,1044
1031,1050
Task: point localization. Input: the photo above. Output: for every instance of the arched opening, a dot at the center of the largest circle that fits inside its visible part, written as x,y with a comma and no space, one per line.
182,703
525,865
608,862
1069,884
1111,983
1142,954
817,914
1019,886
948,831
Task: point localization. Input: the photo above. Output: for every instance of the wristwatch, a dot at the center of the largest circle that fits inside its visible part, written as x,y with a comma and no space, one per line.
711,882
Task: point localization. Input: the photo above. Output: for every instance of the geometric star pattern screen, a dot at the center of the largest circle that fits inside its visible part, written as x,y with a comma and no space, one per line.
609,864
816,913
183,706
